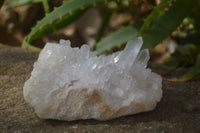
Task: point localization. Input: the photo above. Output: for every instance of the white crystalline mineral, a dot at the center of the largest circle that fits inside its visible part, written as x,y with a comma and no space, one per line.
71,83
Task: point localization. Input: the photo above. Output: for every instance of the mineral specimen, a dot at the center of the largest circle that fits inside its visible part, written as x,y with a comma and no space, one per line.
71,83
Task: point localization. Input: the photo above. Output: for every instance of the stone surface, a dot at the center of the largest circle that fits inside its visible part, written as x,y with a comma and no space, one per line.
177,112
71,83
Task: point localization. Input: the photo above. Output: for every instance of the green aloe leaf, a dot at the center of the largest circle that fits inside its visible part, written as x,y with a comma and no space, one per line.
58,18
154,14
194,71
15,3
167,22
116,39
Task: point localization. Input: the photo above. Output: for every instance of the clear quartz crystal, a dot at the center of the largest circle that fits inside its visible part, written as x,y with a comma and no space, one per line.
129,54
142,58
65,42
71,83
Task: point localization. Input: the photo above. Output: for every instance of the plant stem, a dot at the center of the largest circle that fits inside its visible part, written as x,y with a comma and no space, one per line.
46,6
27,46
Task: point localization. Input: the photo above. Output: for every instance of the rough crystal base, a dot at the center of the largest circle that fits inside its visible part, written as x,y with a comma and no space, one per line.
71,83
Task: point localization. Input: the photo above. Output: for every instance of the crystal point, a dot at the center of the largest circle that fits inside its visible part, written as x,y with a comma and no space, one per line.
129,54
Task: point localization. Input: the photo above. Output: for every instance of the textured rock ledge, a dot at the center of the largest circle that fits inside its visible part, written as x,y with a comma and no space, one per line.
71,83
180,105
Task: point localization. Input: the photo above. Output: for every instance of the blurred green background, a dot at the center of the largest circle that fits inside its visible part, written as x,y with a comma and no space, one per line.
170,28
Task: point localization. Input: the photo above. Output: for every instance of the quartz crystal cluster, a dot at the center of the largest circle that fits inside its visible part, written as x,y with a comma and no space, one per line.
74,83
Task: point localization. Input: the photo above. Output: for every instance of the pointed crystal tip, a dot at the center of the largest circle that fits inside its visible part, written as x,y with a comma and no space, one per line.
65,42
128,55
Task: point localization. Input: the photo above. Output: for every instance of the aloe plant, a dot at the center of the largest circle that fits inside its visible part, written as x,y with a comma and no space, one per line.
58,18
194,70
117,38
154,14
158,25
15,3
166,23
